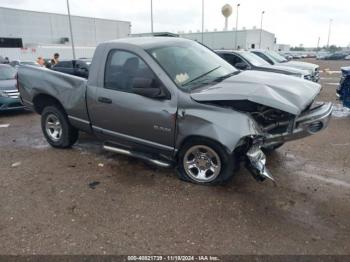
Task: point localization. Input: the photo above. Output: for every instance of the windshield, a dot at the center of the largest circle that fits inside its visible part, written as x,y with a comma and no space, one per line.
7,72
190,64
276,57
254,59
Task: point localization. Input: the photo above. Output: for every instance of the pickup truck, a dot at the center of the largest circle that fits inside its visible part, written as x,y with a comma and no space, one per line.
175,103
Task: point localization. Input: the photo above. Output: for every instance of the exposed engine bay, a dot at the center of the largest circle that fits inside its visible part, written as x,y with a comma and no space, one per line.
271,120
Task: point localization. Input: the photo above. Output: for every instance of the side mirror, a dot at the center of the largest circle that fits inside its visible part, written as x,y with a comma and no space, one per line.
146,87
241,66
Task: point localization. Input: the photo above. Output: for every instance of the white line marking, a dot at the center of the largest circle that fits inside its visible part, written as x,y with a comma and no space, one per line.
4,125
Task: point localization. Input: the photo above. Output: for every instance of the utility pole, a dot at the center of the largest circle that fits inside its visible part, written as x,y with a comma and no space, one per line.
202,21
318,43
152,16
329,31
71,31
236,35
261,26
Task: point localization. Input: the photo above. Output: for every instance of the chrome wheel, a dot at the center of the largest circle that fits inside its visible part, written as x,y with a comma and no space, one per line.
53,127
202,164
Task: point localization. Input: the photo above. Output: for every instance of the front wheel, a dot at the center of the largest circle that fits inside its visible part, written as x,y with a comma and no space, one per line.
206,162
57,129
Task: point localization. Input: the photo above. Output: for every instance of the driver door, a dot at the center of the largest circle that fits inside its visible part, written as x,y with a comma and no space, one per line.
127,118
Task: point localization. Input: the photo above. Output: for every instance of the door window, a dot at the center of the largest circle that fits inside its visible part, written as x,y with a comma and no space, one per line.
122,68
233,59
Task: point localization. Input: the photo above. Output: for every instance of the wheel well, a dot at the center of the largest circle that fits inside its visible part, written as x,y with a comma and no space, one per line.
41,101
189,138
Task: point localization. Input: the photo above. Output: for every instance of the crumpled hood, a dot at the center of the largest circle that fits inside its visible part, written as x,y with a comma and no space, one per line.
286,93
8,84
301,65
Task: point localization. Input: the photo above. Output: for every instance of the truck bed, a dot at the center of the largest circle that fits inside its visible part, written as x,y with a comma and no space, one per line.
68,90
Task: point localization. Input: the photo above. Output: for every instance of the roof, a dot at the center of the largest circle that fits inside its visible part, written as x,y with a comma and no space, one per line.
150,42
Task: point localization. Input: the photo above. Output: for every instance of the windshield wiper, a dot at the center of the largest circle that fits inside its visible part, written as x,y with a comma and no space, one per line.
202,75
219,79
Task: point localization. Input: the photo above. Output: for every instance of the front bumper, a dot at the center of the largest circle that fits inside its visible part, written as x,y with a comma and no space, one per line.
311,122
8,103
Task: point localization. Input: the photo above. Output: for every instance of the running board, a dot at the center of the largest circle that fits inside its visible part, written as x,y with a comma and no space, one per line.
122,151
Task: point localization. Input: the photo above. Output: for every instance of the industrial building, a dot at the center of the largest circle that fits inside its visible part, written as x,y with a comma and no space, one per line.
31,31
246,39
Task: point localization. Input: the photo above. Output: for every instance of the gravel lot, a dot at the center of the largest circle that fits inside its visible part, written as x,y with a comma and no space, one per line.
86,201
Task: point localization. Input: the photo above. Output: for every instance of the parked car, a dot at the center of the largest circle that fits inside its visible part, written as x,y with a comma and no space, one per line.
78,67
174,102
245,60
347,57
335,56
275,59
9,95
343,90
321,55
17,63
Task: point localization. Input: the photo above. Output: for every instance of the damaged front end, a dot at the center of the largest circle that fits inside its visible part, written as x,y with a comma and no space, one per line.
309,122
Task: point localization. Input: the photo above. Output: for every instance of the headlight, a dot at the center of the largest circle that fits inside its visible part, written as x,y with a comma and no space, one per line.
3,94
307,77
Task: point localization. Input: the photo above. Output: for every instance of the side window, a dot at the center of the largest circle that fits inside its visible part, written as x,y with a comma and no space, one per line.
232,59
263,57
122,68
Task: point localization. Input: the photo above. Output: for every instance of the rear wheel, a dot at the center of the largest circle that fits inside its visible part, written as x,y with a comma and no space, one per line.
57,129
203,161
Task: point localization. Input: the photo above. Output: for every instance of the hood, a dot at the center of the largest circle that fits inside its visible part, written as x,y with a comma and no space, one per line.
286,93
345,70
300,65
8,84
290,70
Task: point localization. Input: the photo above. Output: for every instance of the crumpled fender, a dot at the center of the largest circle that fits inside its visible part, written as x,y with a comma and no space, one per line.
225,126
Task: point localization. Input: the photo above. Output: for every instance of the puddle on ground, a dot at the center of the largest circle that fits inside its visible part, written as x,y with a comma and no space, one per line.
339,111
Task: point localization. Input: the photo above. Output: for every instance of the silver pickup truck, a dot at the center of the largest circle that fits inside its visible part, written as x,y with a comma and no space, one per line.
173,102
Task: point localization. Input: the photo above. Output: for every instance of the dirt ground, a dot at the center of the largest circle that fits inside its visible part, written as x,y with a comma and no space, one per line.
86,201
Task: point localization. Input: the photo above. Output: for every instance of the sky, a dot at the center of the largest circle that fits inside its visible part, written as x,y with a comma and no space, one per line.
294,22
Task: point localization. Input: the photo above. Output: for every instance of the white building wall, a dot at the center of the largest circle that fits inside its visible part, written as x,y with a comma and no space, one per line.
47,28
31,54
246,39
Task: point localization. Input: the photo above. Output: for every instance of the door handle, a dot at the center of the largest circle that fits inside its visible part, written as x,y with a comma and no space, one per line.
104,100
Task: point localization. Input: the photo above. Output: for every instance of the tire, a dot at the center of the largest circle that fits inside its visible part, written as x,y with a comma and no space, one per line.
271,149
61,134
205,148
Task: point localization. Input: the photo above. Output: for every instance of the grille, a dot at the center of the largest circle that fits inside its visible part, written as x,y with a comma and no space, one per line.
12,93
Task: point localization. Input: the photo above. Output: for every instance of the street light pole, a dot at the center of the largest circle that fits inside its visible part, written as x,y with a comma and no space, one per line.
329,31
261,26
202,21
152,16
236,35
71,31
